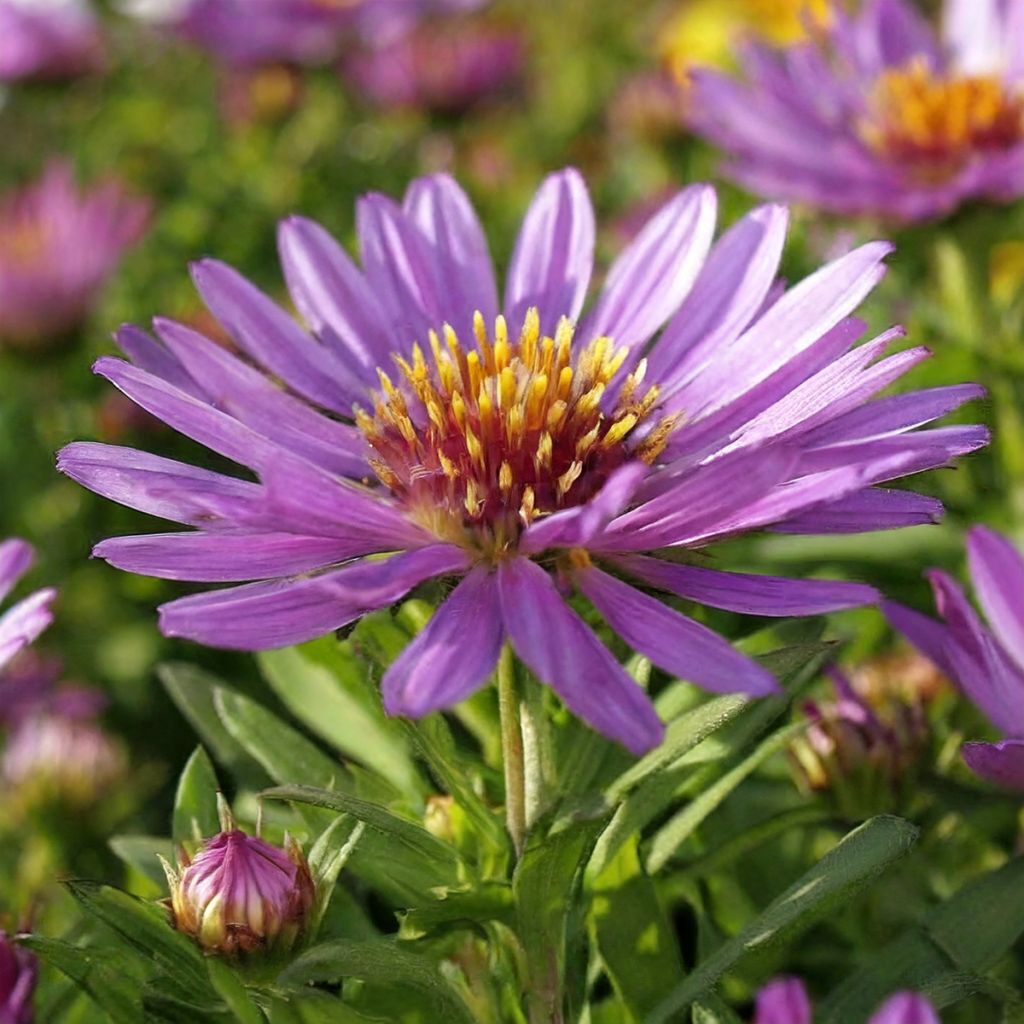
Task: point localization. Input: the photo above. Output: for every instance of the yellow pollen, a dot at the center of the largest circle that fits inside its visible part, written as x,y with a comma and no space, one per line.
932,125
479,442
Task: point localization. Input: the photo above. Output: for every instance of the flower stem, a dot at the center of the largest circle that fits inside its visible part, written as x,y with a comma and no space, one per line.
512,750
536,751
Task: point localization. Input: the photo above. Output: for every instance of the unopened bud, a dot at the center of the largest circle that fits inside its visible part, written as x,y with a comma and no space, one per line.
19,970
241,894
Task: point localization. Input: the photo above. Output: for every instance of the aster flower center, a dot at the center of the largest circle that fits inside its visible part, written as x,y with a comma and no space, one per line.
932,124
480,441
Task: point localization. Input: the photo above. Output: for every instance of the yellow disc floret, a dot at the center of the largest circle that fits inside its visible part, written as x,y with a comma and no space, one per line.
478,441
932,124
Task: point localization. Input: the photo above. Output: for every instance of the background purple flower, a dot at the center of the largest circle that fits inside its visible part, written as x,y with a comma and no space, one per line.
24,621
48,39
697,399
244,34
58,247
785,1001
19,971
442,66
987,664
879,115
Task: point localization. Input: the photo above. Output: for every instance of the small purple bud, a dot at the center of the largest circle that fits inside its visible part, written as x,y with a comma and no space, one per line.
240,894
19,970
783,1001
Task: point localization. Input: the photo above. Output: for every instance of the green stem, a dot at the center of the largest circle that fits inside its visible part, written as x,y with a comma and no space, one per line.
537,769
512,750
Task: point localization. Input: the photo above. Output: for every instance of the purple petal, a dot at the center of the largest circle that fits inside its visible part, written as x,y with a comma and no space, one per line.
981,667
975,33
1000,763
454,654
655,273
333,296
997,570
576,527
805,313
251,398
262,616
897,34
783,1001
23,622
927,635
312,501
226,558
554,254
677,644
148,354
906,1008
743,592
874,508
400,267
726,297
443,212
162,487
268,334
557,646
16,557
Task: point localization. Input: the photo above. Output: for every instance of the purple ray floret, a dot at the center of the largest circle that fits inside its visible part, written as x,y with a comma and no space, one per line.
878,113
48,39
785,1001
987,663
530,445
22,622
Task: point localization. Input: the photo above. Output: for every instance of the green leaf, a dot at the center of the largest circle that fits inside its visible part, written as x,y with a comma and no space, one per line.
230,988
314,1007
634,936
434,742
833,881
968,933
465,908
110,978
545,886
682,825
192,691
195,801
143,853
711,1010
328,856
147,929
405,834
324,687
382,963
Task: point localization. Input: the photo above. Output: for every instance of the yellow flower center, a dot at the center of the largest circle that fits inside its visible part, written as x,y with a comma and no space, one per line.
932,125
480,441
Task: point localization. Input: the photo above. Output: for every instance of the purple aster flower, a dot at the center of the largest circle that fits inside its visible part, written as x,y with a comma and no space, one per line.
58,247
240,894
785,1001
518,447
48,39
863,757
879,115
243,34
19,971
440,66
23,622
988,665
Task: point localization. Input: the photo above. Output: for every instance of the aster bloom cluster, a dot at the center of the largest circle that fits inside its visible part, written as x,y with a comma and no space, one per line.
440,66
880,116
516,446
58,246
987,664
19,972
49,39
24,621
244,34
785,1001
865,758
240,894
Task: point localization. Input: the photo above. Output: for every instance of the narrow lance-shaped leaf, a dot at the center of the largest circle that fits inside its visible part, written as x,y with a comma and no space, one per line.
195,800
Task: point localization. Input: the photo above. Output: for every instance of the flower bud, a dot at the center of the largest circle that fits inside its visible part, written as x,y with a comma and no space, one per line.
18,972
240,894
863,757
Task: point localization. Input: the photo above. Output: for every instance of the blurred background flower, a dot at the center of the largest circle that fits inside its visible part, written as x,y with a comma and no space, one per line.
19,971
58,247
48,39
